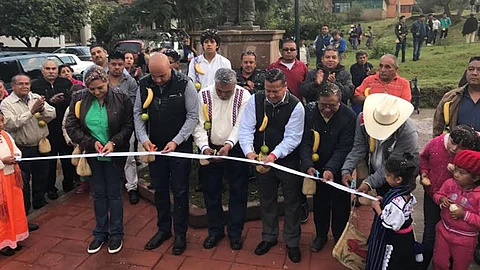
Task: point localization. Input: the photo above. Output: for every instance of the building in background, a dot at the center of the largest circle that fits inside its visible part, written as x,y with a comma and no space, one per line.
374,9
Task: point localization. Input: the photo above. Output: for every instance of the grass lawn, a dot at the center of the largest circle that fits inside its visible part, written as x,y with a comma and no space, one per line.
440,66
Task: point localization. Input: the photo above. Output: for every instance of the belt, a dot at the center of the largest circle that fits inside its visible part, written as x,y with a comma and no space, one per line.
405,231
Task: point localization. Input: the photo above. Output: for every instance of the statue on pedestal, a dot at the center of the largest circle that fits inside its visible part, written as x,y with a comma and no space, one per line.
240,13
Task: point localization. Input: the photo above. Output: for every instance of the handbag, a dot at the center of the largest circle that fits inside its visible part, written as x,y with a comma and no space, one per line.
76,151
351,248
83,169
309,187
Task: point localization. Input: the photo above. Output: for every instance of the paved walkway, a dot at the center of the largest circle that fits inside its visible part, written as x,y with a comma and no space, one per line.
66,230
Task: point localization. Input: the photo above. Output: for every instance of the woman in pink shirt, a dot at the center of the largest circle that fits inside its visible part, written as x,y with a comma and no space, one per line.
433,167
66,71
459,199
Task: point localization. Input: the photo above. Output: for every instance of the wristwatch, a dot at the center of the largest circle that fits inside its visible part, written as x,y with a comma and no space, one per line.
114,144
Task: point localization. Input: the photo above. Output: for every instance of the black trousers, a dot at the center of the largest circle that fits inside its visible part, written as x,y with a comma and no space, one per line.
444,34
330,206
60,147
237,175
268,184
36,171
166,173
431,213
403,255
401,45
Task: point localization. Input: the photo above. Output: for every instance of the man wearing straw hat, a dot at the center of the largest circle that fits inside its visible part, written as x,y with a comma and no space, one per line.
383,130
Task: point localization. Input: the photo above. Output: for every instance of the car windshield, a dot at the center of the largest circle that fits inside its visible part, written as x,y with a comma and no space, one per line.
129,46
32,66
85,50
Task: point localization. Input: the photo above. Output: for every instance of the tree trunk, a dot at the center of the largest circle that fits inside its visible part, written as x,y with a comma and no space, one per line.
25,41
446,9
37,42
457,17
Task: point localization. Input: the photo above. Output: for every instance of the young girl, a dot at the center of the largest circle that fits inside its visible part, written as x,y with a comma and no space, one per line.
459,198
390,245
433,166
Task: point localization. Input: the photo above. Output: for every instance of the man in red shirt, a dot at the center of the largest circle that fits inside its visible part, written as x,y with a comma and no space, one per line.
385,81
295,70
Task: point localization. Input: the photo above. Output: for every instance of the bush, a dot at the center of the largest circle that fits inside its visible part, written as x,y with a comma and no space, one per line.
354,13
379,49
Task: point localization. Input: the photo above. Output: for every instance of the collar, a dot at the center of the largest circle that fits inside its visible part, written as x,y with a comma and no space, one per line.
16,98
203,59
284,100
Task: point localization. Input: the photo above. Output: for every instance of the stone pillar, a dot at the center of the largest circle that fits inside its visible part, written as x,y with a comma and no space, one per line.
265,43
85,34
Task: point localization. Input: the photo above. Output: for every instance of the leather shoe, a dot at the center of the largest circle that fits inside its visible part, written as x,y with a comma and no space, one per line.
264,247
32,227
52,195
236,243
294,254
133,196
318,244
157,240
212,241
179,245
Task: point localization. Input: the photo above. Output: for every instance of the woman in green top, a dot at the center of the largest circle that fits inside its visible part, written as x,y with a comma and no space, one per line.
103,124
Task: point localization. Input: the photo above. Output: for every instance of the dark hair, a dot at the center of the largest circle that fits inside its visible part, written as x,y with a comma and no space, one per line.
330,48
421,16
404,167
329,89
14,78
172,53
465,136
474,58
288,40
130,52
335,32
98,45
211,34
64,66
252,53
360,53
75,88
275,74
116,55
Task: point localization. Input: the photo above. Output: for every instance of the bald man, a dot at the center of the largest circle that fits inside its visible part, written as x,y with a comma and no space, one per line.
166,125
56,92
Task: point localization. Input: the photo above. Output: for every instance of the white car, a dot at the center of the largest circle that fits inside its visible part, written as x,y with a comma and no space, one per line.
78,65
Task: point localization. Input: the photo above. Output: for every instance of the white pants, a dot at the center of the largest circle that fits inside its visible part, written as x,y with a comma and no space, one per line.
131,168
470,38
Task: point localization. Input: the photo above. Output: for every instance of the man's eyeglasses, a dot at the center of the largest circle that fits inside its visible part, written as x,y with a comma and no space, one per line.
289,49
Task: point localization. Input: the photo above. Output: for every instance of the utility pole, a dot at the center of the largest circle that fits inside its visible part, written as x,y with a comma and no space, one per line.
398,8
297,26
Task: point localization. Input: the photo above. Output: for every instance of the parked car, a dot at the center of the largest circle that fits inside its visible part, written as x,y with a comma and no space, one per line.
83,52
15,53
74,61
30,65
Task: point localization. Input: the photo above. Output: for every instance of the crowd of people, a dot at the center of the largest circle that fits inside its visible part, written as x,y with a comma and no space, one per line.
328,122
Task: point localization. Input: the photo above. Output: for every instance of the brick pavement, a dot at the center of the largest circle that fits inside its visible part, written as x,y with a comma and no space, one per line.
66,230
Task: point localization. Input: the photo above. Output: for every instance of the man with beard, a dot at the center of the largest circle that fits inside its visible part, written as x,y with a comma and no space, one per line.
249,77
56,92
167,122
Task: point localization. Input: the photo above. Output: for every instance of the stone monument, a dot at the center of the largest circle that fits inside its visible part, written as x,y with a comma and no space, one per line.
239,34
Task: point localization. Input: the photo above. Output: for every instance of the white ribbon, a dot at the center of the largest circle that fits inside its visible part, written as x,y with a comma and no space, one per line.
197,156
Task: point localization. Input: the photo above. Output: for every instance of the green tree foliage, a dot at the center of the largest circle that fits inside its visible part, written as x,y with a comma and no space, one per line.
427,6
25,19
101,14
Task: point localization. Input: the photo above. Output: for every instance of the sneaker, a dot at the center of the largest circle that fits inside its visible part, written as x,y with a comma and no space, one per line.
95,246
115,246
304,214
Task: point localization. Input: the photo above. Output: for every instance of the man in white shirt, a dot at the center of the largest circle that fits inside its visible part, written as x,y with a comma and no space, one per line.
202,68
435,27
221,107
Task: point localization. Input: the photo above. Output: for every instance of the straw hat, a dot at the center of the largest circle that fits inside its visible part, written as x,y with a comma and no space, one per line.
384,114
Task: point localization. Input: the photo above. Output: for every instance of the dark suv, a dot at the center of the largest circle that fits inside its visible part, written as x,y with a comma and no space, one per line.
30,65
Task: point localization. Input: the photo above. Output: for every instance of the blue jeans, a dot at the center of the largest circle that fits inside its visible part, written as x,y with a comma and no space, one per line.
166,172
105,183
417,46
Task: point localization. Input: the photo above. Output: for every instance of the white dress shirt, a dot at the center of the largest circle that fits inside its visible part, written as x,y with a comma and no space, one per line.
208,67
225,116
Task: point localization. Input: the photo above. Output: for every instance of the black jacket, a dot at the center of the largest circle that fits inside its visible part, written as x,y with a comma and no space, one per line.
336,139
309,89
257,77
44,88
120,120
359,73
470,26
